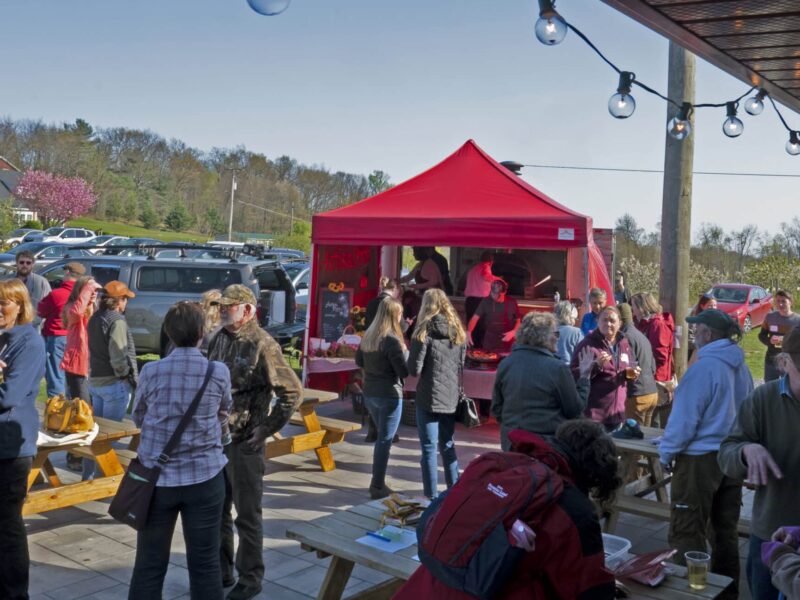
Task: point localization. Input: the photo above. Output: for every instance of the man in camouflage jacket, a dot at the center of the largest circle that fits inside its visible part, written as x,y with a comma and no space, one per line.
258,370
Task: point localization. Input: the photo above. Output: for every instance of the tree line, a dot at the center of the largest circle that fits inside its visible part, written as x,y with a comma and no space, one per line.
139,177
746,255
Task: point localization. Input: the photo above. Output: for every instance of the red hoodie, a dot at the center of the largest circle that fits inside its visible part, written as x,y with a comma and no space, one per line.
568,562
50,308
660,331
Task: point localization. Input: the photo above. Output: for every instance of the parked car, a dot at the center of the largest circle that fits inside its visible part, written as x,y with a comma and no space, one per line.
747,304
65,235
159,283
15,237
101,241
300,272
44,253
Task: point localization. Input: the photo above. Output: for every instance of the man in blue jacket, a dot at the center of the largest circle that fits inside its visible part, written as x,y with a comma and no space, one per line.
703,414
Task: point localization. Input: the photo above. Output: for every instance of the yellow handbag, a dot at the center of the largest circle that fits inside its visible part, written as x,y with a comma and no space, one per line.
68,416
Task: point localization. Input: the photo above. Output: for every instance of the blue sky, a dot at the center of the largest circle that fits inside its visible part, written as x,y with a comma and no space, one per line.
357,85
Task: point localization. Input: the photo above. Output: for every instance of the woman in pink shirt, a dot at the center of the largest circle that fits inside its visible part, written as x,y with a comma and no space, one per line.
77,311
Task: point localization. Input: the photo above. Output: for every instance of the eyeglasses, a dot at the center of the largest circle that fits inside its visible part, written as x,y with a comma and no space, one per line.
24,262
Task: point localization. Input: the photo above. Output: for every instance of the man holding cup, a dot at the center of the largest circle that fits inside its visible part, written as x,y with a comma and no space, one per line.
763,448
706,502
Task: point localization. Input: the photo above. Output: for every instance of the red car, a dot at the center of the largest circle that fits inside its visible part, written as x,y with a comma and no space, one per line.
748,304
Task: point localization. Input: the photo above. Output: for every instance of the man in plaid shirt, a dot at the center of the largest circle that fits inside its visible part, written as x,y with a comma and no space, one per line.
258,370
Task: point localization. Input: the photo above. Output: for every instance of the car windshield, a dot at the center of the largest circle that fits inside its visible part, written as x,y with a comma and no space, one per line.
54,231
730,294
293,270
29,246
102,238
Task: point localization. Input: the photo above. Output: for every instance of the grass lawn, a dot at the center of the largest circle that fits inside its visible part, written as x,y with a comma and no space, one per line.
113,228
754,353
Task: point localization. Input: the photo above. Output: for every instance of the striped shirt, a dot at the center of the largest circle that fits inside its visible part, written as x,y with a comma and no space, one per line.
165,392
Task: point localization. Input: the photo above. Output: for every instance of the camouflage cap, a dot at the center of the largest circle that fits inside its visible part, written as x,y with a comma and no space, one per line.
236,294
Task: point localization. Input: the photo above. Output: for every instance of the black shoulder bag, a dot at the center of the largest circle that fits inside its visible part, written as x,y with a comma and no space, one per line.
131,504
466,410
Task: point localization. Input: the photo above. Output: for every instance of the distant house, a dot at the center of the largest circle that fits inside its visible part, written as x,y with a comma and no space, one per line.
9,178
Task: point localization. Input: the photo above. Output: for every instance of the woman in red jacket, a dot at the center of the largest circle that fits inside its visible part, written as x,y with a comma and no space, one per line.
77,311
613,355
659,327
567,561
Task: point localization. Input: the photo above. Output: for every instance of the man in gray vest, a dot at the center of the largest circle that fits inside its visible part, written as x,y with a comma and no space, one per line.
112,358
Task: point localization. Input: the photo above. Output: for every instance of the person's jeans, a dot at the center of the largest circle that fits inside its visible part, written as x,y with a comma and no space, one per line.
53,374
200,507
436,428
759,578
386,414
77,386
244,489
109,402
15,562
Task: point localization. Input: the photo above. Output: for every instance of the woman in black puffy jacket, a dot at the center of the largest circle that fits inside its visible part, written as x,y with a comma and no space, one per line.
437,357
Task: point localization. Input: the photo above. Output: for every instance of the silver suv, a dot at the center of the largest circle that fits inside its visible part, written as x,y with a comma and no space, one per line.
160,283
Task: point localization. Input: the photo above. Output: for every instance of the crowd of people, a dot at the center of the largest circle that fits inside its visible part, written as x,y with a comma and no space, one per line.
613,373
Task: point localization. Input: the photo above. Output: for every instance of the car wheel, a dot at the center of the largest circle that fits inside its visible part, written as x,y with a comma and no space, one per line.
748,324
14,243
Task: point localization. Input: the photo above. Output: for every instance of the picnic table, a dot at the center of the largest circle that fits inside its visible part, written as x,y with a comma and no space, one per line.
335,535
111,462
320,432
632,497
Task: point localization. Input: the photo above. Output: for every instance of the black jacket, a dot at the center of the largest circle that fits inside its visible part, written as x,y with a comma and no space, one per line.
535,391
438,362
384,369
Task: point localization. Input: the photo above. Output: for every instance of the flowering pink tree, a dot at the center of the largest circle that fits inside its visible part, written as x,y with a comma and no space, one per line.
55,198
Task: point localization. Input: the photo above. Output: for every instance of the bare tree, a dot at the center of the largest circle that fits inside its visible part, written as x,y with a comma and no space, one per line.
742,241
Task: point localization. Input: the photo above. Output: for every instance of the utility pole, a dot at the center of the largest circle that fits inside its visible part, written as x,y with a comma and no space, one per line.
676,210
230,214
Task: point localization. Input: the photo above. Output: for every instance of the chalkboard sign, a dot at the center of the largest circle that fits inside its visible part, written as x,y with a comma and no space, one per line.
334,313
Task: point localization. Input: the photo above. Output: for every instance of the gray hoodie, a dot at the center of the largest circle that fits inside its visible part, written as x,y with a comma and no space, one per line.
707,401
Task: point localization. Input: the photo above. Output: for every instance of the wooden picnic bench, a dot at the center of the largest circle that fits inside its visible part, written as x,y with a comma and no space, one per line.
335,535
109,460
631,499
320,432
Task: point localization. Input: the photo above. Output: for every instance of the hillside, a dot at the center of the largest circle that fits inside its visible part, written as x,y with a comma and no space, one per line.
116,228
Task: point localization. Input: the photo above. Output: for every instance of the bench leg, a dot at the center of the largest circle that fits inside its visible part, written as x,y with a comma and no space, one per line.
335,579
658,479
52,476
107,459
324,455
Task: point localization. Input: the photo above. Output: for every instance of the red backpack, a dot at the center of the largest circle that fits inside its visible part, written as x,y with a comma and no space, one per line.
463,536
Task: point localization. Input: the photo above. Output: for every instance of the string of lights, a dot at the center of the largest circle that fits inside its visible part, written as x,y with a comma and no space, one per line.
551,29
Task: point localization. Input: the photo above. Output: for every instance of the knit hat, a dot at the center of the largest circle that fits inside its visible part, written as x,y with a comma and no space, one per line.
625,312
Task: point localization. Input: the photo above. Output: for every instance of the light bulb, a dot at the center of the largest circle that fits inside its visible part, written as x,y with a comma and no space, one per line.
621,105
550,27
269,8
733,126
679,126
793,145
754,105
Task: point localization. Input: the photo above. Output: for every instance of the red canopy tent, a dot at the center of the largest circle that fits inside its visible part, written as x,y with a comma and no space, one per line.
467,200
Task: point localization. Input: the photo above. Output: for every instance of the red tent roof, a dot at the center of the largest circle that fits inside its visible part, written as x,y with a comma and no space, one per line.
468,199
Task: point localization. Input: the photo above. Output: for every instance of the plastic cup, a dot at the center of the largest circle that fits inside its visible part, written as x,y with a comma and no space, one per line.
697,564
630,370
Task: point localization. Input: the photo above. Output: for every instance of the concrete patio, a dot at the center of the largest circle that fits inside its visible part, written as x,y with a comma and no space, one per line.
81,553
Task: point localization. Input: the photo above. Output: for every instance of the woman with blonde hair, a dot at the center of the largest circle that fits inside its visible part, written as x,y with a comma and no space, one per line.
22,359
383,355
437,357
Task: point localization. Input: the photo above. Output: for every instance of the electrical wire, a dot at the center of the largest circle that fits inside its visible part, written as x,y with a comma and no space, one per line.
660,171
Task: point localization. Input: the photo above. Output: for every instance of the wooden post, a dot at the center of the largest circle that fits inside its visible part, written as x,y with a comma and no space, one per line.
676,211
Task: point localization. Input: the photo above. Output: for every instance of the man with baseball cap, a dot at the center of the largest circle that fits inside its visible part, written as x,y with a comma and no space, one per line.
258,370
703,413
112,357
763,448
53,330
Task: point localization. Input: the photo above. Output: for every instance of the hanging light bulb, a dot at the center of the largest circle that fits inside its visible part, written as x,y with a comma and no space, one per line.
679,126
793,145
754,105
550,27
621,105
733,126
269,8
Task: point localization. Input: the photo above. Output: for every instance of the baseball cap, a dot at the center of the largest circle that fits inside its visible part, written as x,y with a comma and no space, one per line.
75,268
117,289
713,318
236,294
